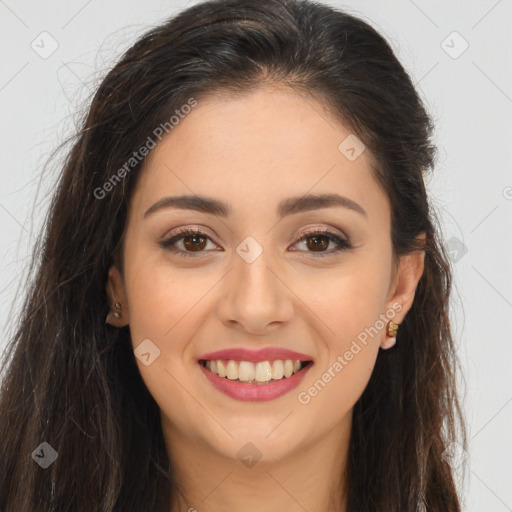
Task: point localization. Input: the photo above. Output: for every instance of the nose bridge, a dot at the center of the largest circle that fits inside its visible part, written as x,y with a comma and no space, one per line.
255,285
254,296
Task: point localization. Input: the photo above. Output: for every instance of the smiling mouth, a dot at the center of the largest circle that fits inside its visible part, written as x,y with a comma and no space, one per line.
258,373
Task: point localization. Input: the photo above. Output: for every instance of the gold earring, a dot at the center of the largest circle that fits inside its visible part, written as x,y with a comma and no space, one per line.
392,329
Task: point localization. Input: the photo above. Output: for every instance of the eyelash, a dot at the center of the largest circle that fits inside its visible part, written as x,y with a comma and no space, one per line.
343,245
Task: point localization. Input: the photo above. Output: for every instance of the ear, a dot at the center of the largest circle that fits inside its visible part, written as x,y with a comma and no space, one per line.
403,287
117,299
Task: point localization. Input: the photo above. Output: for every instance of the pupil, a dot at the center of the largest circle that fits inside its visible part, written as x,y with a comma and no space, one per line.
198,242
316,244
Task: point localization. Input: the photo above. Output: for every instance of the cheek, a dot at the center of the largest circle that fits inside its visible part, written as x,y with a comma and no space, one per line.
348,299
164,306
156,293
350,306
167,305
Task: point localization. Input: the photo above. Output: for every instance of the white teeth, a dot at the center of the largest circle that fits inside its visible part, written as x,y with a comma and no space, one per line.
247,371
232,370
263,371
221,369
277,369
288,368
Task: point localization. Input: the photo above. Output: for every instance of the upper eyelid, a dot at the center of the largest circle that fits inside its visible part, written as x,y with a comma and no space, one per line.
308,232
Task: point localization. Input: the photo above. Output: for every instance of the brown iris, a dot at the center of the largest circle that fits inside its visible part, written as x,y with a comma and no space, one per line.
198,242
319,242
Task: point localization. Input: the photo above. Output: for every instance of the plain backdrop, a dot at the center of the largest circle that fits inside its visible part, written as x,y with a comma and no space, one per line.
53,55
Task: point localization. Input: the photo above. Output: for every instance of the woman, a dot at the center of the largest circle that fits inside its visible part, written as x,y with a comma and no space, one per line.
245,206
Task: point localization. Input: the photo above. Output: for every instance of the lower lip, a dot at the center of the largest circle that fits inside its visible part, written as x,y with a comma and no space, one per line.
256,392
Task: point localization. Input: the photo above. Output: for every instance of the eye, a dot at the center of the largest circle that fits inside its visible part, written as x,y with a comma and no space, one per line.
194,241
318,241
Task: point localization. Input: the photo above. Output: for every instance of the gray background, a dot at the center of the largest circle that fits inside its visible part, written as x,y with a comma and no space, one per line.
468,92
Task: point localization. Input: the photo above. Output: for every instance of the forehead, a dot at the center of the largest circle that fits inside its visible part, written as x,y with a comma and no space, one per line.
256,148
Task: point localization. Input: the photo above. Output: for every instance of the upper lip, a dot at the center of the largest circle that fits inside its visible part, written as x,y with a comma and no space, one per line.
264,354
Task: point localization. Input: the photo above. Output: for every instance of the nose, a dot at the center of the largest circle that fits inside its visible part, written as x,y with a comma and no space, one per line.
255,297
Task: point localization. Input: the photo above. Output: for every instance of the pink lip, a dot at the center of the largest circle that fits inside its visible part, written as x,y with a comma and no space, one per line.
264,354
255,392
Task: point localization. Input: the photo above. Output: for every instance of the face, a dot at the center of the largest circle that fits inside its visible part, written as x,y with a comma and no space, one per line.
262,271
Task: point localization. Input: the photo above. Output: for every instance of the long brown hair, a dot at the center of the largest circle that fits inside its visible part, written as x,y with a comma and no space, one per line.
72,381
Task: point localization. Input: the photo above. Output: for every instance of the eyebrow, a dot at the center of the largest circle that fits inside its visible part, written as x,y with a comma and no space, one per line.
286,207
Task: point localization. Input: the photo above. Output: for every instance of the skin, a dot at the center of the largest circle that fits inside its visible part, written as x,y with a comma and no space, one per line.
252,151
